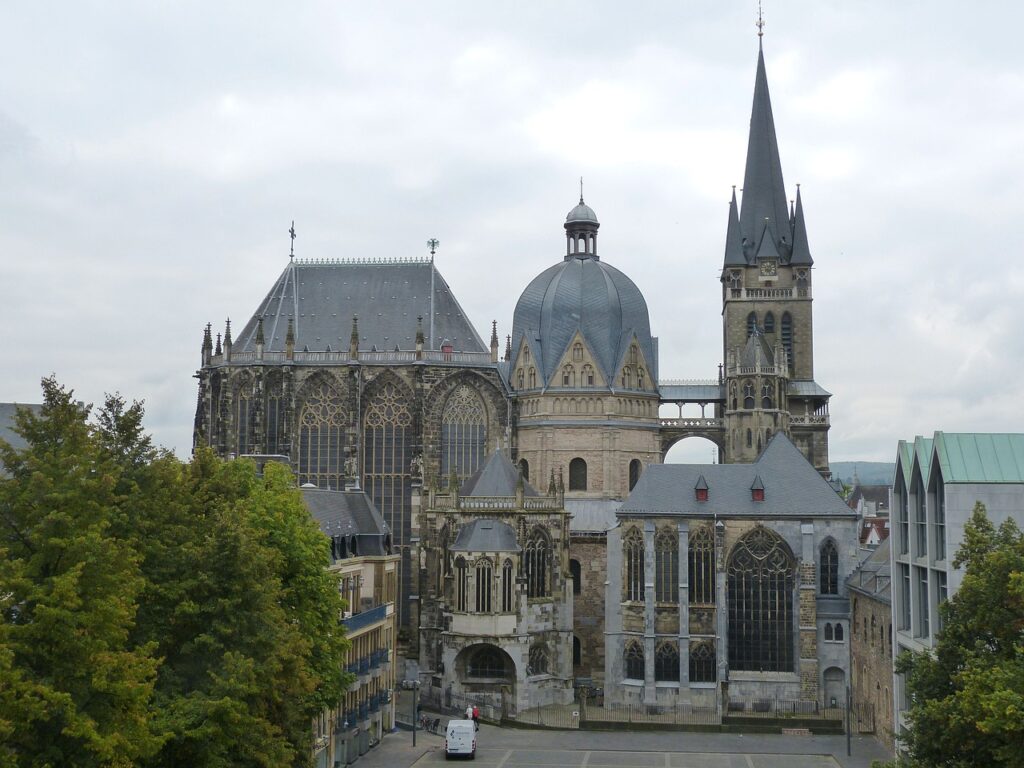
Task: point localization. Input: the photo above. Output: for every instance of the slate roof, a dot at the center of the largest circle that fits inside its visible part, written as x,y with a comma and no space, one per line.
591,515
7,414
694,393
877,494
807,389
589,296
764,226
873,576
792,488
980,457
386,296
346,514
497,477
486,535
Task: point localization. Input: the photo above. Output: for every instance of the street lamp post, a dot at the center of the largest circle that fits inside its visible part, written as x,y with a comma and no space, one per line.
414,686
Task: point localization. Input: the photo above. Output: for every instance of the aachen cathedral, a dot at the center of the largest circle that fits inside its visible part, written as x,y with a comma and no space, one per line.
542,538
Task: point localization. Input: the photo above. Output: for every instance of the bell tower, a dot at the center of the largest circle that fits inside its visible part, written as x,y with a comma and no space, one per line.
768,329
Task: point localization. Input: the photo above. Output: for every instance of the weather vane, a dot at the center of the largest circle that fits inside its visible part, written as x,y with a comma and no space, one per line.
291,233
433,243
760,20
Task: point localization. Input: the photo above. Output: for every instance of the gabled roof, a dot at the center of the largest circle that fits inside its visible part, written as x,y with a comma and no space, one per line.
980,457
386,296
497,477
873,576
792,487
486,535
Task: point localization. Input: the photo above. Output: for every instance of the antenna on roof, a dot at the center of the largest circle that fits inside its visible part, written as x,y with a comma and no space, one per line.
760,20
291,234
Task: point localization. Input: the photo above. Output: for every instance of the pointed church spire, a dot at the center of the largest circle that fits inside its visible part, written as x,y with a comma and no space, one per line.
733,239
494,341
508,348
764,194
801,251
217,349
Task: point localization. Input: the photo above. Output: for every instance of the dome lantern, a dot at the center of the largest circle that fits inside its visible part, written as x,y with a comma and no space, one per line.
581,227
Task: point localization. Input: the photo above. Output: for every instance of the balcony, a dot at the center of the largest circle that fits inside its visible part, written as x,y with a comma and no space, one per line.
364,619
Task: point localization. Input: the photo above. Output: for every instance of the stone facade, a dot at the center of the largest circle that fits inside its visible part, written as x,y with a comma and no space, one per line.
872,666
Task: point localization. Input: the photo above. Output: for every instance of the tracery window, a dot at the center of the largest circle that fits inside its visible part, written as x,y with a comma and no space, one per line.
274,410
633,559
538,562
461,584
463,433
507,585
633,660
538,664
702,566
787,338
751,323
766,395
666,566
577,475
487,662
761,580
484,573
322,421
748,395
388,440
666,662
243,417
828,568
703,667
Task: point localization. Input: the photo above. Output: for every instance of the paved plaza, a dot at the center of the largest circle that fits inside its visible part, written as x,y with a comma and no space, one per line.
515,748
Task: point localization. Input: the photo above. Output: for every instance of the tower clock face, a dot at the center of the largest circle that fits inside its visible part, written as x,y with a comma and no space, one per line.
769,267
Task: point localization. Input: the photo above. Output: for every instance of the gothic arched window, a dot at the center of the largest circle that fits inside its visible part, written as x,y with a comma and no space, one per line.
387,455
633,660
524,468
533,378
244,416
760,582
828,565
463,433
702,566
627,377
635,468
766,395
703,666
461,584
588,376
507,586
839,632
751,323
666,662
769,323
568,376
633,560
519,379
577,576
538,556
322,421
539,664
666,566
577,475
577,351
748,395
750,439
787,338
274,410
484,584
828,632
639,378
487,662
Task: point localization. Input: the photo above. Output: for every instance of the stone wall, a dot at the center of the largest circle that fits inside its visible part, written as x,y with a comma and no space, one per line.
872,674
588,605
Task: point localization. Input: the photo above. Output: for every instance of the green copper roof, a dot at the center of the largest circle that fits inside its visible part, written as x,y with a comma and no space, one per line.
980,458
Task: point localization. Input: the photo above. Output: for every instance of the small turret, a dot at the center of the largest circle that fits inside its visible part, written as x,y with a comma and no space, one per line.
217,349
353,340
494,341
227,341
289,340
508,348
260,340
207,347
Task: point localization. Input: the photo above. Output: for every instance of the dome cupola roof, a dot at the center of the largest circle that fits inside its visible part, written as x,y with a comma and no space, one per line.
582,213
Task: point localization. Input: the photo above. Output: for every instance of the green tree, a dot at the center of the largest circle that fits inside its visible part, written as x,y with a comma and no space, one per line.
968,695
74,689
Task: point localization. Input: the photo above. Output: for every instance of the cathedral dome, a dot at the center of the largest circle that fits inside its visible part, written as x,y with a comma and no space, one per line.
581,213
587,296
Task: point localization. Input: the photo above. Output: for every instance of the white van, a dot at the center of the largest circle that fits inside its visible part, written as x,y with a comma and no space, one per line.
460,739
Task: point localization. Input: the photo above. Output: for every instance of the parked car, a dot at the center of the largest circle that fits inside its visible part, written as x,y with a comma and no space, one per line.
460,739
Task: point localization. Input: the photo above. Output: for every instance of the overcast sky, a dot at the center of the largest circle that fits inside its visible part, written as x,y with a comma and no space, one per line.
154,154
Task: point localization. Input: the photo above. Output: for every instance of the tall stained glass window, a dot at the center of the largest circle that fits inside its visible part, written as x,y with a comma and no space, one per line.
702,566
828,574
761,581
537,558
633,560
243,416
387,454
666,566
463,433
322,420
274,410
